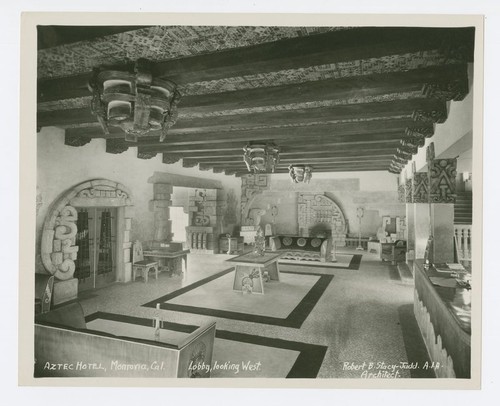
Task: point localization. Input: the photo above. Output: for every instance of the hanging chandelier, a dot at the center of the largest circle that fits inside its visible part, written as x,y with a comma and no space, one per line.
300,173
261,157
134,101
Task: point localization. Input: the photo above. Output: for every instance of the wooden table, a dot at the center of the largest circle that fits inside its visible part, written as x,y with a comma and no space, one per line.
169,256
250,269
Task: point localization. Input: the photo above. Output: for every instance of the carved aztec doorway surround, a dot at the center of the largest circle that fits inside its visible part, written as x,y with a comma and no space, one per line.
58,249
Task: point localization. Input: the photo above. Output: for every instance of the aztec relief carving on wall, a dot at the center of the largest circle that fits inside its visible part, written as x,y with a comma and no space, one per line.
58,244
251,186
442,185
420,187
316,211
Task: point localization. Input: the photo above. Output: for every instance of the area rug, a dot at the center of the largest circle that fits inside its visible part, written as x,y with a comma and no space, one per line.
344,261
286,303
275,358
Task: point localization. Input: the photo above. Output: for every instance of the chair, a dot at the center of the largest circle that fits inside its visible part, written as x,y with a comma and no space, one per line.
140,265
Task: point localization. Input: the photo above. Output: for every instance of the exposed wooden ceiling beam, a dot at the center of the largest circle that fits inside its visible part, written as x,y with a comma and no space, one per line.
358,111
287,135
319,152
331,47
287,145
290,160
353,168
353,87
319,165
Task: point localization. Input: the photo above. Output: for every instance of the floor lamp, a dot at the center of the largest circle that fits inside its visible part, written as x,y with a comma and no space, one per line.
360,213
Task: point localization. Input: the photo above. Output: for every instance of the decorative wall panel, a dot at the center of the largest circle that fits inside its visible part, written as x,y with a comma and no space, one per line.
401,193
420,187
318,212
251,186
409,191
442,186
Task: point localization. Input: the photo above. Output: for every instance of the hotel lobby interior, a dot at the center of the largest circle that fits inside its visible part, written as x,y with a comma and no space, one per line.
254,202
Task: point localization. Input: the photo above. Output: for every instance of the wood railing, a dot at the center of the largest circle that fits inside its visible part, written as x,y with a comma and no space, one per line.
463,240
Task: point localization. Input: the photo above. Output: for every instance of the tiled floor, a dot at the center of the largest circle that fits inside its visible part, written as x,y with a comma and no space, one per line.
361,316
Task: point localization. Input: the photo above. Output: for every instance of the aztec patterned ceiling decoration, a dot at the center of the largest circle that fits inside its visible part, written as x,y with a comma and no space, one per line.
337,98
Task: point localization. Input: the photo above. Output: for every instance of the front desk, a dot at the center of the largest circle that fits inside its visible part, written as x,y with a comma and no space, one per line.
442,310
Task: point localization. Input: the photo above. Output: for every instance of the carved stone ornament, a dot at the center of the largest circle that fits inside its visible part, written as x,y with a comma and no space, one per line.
261,157
136,102
409,191
401,193
58,250
442,186
420,187
318,210
58,243
251,186
197,357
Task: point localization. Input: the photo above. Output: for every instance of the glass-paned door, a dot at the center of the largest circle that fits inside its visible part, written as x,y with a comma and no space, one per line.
95,266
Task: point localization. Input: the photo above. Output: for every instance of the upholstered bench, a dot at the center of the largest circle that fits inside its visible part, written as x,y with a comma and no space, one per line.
303,248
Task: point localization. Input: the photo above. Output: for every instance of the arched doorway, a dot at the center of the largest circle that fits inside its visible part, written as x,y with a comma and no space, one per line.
59,249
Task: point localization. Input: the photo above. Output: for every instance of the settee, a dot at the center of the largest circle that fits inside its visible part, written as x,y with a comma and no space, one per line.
303,248
64,347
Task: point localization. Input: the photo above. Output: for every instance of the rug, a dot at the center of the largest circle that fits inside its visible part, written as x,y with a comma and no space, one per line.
275,358
286,303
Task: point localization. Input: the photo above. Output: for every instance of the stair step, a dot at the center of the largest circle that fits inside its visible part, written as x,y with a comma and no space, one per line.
405,273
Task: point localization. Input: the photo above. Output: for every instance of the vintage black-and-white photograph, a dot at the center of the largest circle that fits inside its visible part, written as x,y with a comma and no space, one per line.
256,201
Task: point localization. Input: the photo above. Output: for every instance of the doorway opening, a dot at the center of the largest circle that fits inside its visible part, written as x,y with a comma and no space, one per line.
180,221
95,266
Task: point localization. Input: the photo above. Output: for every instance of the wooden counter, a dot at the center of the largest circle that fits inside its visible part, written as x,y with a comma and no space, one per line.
443,315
